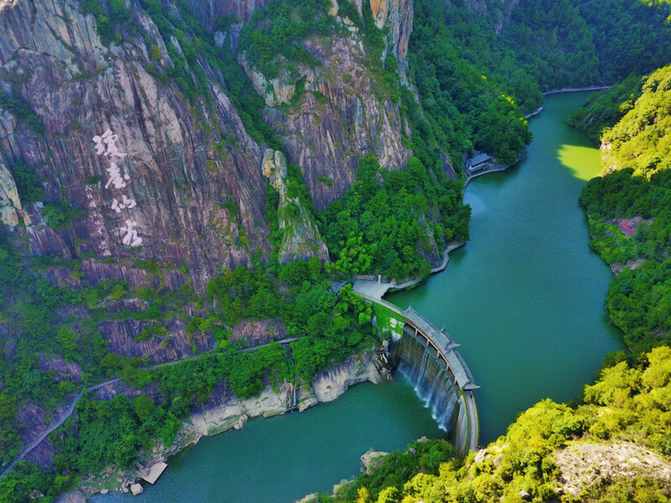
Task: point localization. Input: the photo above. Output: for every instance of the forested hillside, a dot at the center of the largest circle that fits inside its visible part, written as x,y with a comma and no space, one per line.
184,180
629,209
539,45
616,445
571,43
629,37
462,107
148,409
630,227
640,140
605,109
550,452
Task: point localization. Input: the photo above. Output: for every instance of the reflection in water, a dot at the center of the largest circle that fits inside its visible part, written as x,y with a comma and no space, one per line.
477,205
584,162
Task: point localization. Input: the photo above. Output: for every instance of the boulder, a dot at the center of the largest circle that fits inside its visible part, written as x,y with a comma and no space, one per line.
371,459
310,498
241,422
72,497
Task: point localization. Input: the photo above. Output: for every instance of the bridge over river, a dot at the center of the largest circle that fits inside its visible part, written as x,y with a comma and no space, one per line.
434,347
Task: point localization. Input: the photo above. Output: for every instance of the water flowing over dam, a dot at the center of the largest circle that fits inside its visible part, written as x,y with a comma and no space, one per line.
433,384
428,359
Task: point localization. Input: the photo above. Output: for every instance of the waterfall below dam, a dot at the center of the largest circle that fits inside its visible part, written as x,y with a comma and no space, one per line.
433,382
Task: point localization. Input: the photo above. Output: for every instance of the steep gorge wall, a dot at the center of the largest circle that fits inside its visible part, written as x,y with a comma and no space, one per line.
397,16
496,11
188,187
209,11
52,57
342,114
340,118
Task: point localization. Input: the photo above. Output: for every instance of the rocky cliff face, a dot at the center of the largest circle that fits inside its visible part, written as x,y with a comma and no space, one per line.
396,16
341,114
139,170
300,236
339,119
497,11
209,11
10,202
150,173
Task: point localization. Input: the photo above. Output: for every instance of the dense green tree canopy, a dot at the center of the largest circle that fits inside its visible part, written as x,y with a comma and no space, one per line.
280,29
641,140
627,404
639,298
554,42
464,107
391,222
629,210
630,36
604,109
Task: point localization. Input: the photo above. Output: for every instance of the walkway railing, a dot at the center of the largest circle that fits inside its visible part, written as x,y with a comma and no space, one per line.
446,349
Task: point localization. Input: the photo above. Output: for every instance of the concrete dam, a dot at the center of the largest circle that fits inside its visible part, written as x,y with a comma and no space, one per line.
428,358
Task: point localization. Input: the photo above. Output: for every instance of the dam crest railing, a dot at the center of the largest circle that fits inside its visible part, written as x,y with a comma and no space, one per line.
467,424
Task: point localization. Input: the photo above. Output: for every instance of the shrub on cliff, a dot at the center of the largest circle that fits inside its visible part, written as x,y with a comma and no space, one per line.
641,140
280,29
22,110
606,108
389,222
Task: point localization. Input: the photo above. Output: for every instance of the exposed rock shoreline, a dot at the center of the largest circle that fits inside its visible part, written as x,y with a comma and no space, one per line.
234,413
576,89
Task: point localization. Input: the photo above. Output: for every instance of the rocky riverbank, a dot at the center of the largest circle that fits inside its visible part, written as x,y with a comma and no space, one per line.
575,90
234,413
377,287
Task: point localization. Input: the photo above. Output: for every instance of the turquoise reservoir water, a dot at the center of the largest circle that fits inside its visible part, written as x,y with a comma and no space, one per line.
283,458
524,298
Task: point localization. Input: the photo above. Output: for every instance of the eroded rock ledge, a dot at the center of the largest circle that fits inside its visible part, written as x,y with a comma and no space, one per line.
233,413
587,464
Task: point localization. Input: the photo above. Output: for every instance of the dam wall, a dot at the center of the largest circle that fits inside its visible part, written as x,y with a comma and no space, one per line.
428,358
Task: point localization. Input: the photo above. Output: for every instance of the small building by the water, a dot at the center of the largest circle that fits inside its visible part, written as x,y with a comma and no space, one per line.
477,163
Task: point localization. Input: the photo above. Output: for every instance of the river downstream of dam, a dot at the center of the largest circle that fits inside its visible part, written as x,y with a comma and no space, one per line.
524,298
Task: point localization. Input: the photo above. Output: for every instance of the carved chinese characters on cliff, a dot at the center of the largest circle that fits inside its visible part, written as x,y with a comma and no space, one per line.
117,180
